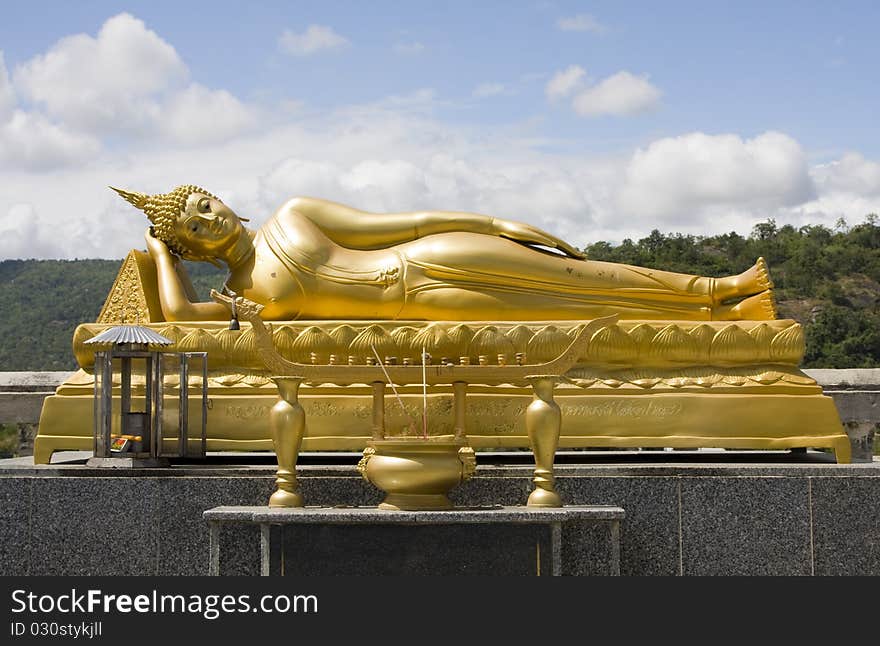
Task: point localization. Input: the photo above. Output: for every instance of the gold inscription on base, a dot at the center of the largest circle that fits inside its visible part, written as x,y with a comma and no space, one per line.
254,411
629,409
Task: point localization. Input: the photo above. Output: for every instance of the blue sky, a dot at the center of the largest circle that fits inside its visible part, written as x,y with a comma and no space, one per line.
595,120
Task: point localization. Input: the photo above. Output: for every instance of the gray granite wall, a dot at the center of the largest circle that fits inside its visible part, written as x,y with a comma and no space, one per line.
681,519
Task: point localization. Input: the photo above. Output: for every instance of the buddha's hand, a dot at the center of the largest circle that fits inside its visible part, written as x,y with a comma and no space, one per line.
526,233
159,251
247,309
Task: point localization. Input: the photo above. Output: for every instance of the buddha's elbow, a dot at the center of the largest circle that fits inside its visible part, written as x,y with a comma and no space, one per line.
174,314
180,312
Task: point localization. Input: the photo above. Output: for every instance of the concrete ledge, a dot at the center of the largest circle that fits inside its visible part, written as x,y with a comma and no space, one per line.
32,381
839,378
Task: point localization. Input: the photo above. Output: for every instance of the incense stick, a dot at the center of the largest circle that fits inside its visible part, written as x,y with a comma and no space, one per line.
424,394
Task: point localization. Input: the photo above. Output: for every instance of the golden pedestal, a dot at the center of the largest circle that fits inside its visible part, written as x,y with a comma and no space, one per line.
673,384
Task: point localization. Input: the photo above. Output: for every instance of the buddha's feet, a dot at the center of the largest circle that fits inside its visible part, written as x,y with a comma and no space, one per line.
759,307
754,280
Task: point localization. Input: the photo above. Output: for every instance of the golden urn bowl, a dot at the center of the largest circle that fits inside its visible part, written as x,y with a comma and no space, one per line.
417,473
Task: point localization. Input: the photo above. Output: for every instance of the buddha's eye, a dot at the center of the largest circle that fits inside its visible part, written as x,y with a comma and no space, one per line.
204,205
194,226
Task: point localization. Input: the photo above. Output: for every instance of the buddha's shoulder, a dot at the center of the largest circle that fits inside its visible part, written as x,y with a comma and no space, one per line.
307,205
290,238
289,221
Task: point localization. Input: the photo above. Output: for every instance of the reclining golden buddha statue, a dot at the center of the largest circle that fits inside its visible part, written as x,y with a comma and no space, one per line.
316,259
693,361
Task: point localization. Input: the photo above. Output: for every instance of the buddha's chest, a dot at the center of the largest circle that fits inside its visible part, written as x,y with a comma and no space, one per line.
273,285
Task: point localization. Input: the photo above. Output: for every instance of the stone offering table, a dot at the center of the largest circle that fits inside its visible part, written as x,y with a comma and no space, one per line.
466,541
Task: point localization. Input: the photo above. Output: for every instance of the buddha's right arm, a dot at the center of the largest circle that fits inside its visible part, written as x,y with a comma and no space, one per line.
173,297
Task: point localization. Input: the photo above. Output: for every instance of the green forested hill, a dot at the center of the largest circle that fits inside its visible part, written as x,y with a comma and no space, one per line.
828,280
42,302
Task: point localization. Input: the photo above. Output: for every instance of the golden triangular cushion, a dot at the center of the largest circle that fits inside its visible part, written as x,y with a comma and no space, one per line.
134,296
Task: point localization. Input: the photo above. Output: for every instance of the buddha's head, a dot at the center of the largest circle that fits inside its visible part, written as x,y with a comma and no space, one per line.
194,224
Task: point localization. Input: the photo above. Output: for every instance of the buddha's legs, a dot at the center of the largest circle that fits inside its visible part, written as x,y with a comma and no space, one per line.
481,277
443,301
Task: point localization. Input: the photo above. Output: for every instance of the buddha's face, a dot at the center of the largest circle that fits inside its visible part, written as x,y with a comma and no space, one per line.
206,226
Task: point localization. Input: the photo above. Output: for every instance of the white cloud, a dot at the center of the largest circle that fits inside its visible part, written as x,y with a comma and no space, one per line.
409,49
851,174
486,90
385,185
688,177
620,94
126,81
198,114
295,176
109,83
848,187
22,235
30,141
581,22
422,100
564,82
7,94
314,39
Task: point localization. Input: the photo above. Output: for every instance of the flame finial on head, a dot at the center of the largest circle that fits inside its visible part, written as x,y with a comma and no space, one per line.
138,200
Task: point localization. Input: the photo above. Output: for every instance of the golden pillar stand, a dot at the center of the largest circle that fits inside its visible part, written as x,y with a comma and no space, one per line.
378,410
543,425
287,423
459,406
